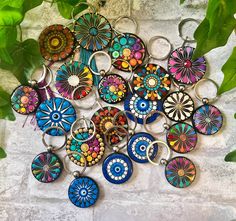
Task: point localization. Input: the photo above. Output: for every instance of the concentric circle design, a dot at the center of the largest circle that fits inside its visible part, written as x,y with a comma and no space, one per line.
128,47
24,100
112,88
181,138
151,82
178,106
117,168
141,108
55,112
56,43
83,192
180,172
92,149
103,119
183,69
46,167
137,147
207,119
71,76
93,31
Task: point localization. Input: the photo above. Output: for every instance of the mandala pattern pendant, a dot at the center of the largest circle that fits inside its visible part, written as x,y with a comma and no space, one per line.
141,108
178,106
181,138
117,168
137,147
46,167
207,119
180,172
151,82
92,149
71,76
93,31
56,43
24,100
183,69
55,112
103,119
128,47
112,88
83,192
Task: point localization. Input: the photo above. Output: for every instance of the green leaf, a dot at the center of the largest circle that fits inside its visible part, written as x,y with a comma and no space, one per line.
231,157
235,115
216,27
11,3
5,106
2,153
182,1
229,70
29,4
27,59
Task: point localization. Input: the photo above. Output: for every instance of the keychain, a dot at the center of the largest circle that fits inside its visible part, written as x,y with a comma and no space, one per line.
83,191
47,166
207,119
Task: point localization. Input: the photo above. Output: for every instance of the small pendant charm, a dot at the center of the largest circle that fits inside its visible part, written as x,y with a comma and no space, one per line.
112,88
178,106
181,138
180,172
24,100
207,119
46,167
55,112
83,192
137,147
183,69
117,168
71,76
151,82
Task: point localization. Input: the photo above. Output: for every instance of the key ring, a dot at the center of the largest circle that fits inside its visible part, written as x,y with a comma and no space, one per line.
162,161
149,44
50,147
76,173
94,10
205,100
125,17
166,125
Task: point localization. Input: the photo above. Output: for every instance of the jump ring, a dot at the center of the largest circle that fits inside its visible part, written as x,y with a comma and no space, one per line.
125,17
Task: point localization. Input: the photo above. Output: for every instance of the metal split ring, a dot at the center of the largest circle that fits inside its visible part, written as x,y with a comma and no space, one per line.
125,17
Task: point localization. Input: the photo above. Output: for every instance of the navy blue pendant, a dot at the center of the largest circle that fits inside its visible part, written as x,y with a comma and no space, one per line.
137,147
83,192
141,108
55,112
117,168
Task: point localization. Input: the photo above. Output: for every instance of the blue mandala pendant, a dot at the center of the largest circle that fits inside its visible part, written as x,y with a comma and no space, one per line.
55,112
117,168
83,192
137,147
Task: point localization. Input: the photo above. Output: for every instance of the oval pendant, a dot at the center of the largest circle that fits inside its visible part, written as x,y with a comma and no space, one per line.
46,167
137,147
117,168
83,192
207,119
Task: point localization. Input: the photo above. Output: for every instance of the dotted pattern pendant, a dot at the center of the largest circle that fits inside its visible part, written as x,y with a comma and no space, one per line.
56,43
151,82
93,31
117,168
207,119
46,167
92,149
112,89
141,108
180,172
128,47
55,112
71,76
178,106
183,69
137,147
181,138
24,100
83,192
